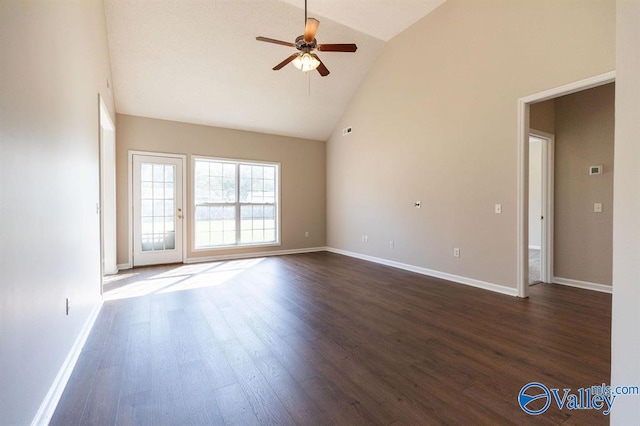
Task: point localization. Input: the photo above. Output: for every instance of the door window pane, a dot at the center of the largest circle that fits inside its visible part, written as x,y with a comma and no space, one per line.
158,219
170,240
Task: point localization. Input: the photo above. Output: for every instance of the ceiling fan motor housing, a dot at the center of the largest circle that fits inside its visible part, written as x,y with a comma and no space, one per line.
303,46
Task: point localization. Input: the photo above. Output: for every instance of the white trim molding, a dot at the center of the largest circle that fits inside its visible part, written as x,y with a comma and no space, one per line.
50,402
108,274
534,247
123,266
253,255
583,284
496,288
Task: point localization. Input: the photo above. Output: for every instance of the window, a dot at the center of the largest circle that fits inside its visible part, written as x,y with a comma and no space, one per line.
157,211
236,203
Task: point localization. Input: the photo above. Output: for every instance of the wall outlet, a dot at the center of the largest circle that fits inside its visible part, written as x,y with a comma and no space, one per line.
597,207
365,239
392,245
347,131
306,234
498,209
418,204
456,252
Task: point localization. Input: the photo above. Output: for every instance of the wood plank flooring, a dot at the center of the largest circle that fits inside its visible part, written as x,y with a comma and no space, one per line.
319,338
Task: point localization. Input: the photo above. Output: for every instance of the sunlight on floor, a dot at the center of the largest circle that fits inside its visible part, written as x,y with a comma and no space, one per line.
184,277
108,279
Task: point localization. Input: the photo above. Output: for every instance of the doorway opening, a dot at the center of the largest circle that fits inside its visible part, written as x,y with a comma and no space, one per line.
525,217
107,204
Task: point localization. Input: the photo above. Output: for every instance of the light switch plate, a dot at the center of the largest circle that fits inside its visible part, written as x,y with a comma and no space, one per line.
498,208
597,207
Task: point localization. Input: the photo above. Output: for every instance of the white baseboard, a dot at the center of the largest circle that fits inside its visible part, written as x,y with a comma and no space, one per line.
583,284
535,248
122,266
48,406
424,271
252,255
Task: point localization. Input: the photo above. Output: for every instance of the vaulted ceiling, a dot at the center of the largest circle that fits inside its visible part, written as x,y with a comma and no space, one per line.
198,61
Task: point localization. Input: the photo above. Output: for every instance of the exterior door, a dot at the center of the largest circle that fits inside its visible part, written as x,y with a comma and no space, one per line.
157,209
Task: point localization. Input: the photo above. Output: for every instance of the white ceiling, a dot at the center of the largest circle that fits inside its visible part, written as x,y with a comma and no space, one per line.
197,61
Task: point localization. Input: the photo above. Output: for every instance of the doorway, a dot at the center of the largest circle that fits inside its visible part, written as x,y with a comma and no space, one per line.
158,210
523,218
107,206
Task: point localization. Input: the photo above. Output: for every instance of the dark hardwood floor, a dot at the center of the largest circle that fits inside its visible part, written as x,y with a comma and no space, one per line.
325,339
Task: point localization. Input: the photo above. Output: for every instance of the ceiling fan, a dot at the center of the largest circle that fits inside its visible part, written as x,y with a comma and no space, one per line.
306,60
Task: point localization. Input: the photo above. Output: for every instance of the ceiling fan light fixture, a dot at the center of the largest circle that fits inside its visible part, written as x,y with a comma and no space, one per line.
305,62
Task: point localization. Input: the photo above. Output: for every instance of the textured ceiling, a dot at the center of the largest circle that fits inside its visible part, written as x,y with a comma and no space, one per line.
383,19
197,61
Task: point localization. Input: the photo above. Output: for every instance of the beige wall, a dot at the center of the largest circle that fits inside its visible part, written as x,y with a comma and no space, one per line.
625,330
542,116
53,63
436,120
584,124
302,174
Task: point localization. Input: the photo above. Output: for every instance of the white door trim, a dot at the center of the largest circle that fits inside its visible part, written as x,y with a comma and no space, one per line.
522,260
546,249
182,157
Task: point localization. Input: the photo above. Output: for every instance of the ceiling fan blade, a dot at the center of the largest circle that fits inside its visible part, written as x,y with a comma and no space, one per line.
274,41
349,47
285,62
310,29
321,68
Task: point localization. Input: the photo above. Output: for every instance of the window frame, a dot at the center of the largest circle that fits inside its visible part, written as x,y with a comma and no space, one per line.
238,204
